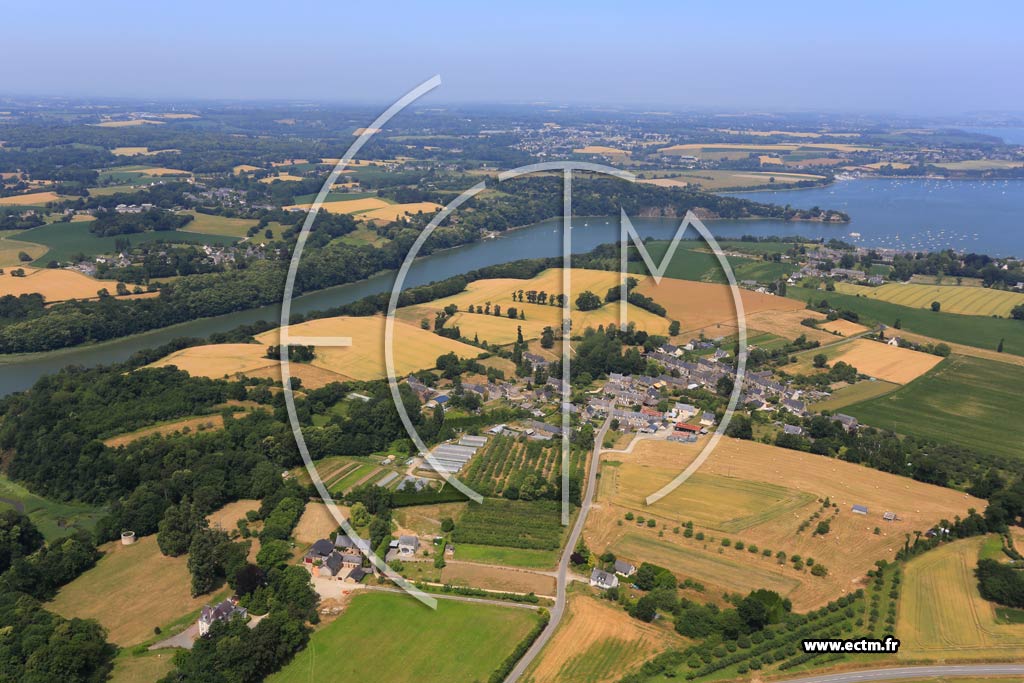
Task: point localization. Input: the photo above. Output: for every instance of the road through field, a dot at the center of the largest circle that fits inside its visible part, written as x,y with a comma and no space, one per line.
914,673
558,610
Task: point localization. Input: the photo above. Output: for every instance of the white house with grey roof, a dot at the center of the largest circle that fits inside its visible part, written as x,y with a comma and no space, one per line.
602,579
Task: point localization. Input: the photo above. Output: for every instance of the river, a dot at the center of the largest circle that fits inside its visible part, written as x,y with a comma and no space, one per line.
917,212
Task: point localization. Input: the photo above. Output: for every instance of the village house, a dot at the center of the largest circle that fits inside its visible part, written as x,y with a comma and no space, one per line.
604,580
624,568
223,611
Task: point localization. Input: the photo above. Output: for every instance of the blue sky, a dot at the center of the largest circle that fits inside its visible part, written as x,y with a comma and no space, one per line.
913,57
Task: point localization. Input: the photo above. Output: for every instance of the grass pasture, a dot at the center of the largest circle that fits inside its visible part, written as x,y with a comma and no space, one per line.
508,557
760,494
964,300
855,393
218,225
960,625
969,401
131,590
11,248
53,519
66,240
142,668
400,641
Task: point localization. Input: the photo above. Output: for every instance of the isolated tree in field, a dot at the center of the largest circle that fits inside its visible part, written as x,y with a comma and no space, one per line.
999,349
673,328
820,360
22,256
547,338
588,301
936,306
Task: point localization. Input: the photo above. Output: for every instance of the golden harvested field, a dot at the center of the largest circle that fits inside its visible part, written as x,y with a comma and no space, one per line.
317,522
601,149
845,328
10,248
284,177
889,363
497,578
698,305
129,591
346,205
54,284
395,212
711,501
963,300
943,617
596,644
760,494
218,360
138,151
161,171
498,292
963,350
199,423
227,517
415,348
360,131
33,199
245,168
787,324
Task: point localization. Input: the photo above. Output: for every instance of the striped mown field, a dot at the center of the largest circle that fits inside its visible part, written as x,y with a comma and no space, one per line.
953,299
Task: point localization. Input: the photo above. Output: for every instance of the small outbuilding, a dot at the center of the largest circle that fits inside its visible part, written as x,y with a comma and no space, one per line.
860,509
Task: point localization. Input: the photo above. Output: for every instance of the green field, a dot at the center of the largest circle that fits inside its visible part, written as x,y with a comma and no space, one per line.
335,196
694,261
855,393
66,240
53,519
349,480
970,330
394,638
218,225
968,401
509,557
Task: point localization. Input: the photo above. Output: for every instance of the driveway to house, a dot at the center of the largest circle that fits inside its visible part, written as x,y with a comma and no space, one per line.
183,639
558,610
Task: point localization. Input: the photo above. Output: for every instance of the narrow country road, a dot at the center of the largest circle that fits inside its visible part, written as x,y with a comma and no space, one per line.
558,610
914,672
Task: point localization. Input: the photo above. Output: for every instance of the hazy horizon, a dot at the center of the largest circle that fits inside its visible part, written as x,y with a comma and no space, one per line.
869,58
